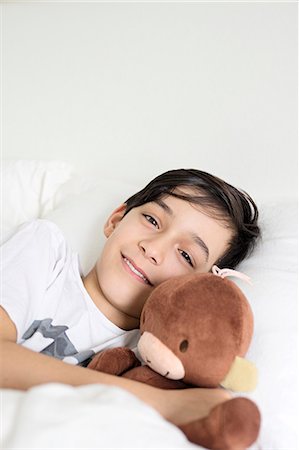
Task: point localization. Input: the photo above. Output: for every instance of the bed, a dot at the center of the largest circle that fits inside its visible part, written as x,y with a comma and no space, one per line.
60,416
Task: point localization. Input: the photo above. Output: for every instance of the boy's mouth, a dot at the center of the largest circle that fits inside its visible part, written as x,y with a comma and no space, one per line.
136,271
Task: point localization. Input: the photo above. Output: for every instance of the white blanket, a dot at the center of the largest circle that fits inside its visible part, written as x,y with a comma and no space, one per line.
56,416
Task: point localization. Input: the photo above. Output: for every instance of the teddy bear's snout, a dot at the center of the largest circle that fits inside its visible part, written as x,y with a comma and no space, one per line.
159,357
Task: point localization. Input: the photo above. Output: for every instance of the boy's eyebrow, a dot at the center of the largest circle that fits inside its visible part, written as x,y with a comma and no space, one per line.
201,243
164,206
196,238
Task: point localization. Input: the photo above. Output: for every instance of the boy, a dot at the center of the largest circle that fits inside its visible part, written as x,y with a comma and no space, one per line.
183,221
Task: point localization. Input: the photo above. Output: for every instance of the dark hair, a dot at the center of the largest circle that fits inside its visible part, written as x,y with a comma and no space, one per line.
223,201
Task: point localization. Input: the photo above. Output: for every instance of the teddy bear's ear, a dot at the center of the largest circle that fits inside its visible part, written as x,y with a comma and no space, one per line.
242,376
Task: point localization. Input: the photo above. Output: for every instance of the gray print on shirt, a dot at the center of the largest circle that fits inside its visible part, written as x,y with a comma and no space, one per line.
61,345
45,328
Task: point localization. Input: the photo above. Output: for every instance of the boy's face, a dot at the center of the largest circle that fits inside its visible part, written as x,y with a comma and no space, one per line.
152,243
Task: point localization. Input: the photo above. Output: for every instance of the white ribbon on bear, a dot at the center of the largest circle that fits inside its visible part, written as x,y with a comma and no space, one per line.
230,273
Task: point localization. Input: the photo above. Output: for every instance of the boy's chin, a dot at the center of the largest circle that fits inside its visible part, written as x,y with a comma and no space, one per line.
130,310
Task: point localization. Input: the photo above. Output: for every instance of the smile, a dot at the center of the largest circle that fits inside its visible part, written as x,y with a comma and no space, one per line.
140,275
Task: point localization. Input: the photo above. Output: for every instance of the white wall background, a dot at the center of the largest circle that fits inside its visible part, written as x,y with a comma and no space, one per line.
128,90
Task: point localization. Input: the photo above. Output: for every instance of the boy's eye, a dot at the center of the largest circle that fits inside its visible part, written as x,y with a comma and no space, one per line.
151,220
187,257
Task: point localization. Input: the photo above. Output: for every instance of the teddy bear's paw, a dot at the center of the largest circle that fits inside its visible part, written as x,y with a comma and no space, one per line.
148,376
114,361
231,425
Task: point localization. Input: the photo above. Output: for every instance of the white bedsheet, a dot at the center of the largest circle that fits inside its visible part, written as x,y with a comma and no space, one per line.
56,416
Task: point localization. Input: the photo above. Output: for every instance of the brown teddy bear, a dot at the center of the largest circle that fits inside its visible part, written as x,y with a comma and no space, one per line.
195,331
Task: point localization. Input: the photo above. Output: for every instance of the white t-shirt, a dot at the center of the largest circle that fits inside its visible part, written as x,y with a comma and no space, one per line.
43,293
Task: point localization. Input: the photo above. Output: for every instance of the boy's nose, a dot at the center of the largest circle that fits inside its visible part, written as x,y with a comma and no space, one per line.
151,251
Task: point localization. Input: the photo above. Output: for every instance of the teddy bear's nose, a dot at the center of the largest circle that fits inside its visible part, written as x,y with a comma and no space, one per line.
160,358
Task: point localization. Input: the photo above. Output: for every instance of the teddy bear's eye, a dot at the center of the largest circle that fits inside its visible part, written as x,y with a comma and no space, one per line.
184,345
143,318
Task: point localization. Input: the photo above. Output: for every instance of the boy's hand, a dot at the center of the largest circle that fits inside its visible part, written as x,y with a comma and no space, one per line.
114,361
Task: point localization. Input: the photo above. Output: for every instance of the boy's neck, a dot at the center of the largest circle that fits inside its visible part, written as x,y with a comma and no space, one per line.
119,318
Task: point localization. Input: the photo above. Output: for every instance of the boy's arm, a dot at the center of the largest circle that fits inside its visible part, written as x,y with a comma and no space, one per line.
21,368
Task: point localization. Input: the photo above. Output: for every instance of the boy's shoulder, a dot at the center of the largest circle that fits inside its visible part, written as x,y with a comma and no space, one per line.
45,224
40,225
39,231
37,246
48,229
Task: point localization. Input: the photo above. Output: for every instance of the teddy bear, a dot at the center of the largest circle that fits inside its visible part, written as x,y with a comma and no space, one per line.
195,331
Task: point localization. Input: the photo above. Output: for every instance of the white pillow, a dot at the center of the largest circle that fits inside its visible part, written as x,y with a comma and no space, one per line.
273,269
28,190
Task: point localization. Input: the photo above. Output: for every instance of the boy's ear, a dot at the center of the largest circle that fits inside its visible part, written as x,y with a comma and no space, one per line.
114,219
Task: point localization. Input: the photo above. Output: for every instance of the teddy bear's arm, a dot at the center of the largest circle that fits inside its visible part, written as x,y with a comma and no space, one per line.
146,375
114,361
